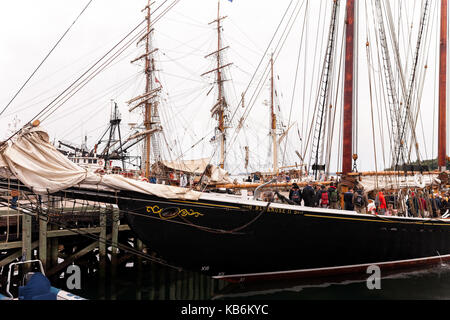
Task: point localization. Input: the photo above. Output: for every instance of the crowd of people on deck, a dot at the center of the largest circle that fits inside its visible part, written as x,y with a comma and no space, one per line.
315,196
423,203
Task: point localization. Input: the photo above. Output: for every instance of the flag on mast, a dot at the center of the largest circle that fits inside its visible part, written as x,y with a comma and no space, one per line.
157,81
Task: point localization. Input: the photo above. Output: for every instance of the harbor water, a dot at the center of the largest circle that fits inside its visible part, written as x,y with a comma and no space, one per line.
157,283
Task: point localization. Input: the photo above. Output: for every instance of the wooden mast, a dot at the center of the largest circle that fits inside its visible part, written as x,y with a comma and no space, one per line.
273,120
442,129
219,108
348,91
148,88
220,88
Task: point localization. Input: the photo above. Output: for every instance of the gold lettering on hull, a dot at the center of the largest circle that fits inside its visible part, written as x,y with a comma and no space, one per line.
176,212
271,209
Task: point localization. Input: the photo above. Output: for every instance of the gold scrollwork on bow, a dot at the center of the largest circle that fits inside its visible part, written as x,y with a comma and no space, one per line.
180,212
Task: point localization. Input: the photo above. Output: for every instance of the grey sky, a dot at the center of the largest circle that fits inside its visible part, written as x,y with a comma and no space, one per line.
28,29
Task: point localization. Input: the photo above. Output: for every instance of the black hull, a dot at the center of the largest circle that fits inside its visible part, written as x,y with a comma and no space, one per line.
250,241
243,240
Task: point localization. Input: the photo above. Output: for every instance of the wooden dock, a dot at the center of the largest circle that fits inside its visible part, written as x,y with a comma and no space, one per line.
63,234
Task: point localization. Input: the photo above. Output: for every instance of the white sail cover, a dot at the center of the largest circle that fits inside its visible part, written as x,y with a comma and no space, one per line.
198,167
374,182
33,160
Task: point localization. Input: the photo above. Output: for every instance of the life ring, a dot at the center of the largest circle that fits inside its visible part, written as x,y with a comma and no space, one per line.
144,179
100,162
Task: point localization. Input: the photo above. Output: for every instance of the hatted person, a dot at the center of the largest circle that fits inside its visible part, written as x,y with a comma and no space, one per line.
436,205
317,195
360,201
333,196
323,197
308,195
348,200
295,194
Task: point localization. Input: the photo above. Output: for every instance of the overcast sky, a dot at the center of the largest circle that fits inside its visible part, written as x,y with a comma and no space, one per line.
29,28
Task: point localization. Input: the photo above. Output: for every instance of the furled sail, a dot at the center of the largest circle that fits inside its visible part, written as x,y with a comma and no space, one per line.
33,160
215,174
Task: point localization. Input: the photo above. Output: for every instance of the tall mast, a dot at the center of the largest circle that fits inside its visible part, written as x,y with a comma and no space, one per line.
148,100
220,88
219,109
148,88
348,90
442,135
273,120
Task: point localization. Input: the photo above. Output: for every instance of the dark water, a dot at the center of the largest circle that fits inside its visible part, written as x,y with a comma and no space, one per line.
154,282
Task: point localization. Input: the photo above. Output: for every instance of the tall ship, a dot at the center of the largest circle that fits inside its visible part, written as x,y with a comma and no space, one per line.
239,235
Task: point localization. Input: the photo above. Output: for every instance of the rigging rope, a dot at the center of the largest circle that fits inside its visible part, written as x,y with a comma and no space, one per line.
45,58
49,106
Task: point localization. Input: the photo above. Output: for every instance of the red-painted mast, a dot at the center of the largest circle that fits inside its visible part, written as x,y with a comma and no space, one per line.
442,130
348,90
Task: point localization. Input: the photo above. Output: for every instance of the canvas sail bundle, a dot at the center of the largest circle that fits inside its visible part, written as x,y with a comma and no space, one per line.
33,160
375,182
215,174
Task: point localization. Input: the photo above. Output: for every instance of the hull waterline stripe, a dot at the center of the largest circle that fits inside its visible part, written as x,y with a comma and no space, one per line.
372,220
380,264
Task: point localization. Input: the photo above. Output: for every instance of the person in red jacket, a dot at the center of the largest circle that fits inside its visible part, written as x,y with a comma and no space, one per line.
380,203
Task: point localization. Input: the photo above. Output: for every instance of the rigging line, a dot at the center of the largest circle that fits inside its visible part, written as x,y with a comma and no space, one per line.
325,90
184,78
241,30
437,55
105,241
198,23
409,49
295,80
48,54
76,88
341,121
40,94
303,99
378,93
316,80
24,210
255,94
394,134
381,99
195,51
382,88
100,69
90,116
250,105
87,71
262,58
340,77
420,85
408,115
127,82
182,66
195,144
371,109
